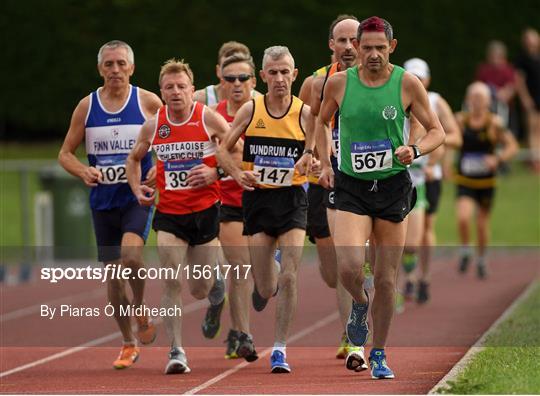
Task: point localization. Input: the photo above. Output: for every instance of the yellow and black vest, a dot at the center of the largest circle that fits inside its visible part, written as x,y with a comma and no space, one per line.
273,145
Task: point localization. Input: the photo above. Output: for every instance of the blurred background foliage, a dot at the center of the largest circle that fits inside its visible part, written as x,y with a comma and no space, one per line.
50,47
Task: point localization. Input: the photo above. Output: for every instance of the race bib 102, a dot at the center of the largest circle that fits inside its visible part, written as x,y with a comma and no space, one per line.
371,156
177,172
112,168
274,171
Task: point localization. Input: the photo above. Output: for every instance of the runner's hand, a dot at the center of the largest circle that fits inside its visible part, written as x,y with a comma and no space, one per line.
405,154
247,179
145,195
326,179
201,176
315,167
303,165
91,176
492,162
151,177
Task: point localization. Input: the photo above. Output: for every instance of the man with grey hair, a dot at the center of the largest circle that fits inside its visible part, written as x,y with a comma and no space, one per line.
277,137
109,121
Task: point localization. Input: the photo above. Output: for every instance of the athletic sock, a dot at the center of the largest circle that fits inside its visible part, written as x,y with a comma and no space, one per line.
280,346
409,261
465,251
132,343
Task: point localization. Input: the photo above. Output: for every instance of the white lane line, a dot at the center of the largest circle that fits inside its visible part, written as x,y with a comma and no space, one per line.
98,341
315,326
479,345
32,309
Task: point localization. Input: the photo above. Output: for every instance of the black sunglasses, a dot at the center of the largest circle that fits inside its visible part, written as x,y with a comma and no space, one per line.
240,77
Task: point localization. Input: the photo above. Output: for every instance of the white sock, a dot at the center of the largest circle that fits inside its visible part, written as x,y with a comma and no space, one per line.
130,343
280,346
466,251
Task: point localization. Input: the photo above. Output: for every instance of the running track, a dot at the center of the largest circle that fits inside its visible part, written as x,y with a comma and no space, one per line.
41,356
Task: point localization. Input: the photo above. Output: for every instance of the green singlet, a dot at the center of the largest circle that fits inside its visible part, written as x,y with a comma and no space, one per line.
373,124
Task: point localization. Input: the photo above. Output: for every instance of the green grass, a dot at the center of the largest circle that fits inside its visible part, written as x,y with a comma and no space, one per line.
515,220
511,361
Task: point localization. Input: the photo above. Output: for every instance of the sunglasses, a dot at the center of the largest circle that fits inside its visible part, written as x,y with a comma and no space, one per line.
240,77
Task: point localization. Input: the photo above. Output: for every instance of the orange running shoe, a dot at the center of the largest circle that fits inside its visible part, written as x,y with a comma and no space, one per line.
146,331
128,355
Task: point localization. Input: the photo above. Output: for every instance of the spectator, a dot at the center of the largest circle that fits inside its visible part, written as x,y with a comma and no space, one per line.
528,88
499,75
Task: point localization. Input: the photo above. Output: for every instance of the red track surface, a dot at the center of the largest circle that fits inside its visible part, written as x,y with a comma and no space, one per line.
425,342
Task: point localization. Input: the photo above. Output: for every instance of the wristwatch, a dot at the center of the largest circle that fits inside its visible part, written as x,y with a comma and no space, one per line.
416,151
308,151
220,172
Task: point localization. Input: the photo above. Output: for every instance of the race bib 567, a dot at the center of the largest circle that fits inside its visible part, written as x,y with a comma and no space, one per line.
371,156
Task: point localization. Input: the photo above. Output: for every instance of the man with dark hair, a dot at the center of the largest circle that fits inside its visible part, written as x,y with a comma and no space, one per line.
374,193
212,94
321,209
237,73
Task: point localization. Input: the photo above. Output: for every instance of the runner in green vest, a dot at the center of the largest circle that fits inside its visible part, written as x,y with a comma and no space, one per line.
373,189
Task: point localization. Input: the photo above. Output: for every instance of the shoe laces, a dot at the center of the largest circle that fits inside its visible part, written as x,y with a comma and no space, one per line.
126,352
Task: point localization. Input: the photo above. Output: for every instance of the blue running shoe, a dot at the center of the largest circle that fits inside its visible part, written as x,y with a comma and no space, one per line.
357,325
278,363
379,368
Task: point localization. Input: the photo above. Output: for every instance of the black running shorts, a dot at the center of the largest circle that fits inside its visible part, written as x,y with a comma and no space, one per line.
274,211
230,213
111,225
195,228
433,195
317,222
389,199
482,196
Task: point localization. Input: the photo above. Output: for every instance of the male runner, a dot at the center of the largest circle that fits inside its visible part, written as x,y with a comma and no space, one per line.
342,33
183,135
109,121
476,173
274,202
237,82
373,189
213,94
432,172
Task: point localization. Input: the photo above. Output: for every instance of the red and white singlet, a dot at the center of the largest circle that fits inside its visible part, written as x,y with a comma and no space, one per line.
180,147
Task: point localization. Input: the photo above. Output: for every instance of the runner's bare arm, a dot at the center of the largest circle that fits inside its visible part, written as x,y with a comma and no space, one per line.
74,137
247,179
305,90
333,92
144,193
150,103
200,96
316,92
448,121
507,139
202,175
416,99
328,107
307,121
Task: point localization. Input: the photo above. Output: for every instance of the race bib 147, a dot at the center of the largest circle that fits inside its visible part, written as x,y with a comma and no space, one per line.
274,171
